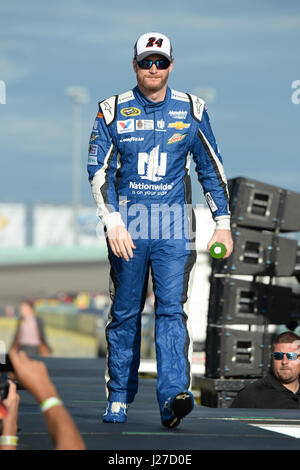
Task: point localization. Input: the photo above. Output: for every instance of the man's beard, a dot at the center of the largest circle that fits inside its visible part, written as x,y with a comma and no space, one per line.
285,375
154,85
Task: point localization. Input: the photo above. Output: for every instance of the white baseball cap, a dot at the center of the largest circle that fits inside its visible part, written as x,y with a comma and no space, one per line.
152,43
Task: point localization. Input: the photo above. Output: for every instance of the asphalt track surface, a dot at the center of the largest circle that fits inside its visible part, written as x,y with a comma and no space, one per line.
80,383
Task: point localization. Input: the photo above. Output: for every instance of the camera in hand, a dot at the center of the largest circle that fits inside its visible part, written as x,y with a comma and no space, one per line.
4,386
7,365
4,379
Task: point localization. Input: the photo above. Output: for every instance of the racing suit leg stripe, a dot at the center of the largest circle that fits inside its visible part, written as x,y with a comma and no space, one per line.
186,294
107,370
218,167
113,284
187,282
188,270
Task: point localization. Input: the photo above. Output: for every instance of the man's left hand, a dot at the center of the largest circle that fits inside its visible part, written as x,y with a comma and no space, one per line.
222,236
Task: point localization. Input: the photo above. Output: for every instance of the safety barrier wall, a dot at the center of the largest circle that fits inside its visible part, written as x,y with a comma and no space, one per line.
80,323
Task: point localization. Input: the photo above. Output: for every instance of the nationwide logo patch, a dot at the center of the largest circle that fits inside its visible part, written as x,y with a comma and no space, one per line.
130,112
179,125
176,138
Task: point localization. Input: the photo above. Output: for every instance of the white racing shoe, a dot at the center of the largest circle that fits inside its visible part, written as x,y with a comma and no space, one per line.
116,412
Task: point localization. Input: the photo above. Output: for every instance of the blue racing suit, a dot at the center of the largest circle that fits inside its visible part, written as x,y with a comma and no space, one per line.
138,164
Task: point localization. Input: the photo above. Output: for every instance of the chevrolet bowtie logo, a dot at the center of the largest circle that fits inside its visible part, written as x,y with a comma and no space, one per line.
179,125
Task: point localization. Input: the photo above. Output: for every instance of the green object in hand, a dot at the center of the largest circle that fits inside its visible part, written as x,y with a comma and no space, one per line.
218,250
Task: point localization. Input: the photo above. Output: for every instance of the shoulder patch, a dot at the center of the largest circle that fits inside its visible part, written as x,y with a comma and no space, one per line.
124,97
109,108
197,106
178,95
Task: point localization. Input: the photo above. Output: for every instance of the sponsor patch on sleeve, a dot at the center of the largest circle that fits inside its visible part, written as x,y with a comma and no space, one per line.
93,137
92,161
93,150
211,202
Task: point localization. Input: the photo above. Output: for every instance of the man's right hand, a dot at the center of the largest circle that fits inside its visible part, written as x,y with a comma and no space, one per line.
121,242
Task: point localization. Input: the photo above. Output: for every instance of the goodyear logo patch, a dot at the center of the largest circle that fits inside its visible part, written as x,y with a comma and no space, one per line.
130,112
176,138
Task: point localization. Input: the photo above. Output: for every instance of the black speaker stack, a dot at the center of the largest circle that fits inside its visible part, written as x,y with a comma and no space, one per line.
244,298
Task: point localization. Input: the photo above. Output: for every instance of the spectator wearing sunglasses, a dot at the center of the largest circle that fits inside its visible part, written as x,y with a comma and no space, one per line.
280,388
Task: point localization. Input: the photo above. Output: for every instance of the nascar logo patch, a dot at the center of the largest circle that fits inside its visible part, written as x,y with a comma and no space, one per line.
130,111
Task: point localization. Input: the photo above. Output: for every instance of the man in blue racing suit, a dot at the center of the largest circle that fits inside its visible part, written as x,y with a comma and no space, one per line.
138,164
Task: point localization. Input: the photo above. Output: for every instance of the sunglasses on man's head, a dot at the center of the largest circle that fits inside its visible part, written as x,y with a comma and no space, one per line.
291,356
161,64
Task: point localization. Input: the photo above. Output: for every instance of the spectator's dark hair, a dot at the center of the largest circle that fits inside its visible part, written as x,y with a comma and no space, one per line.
29,302
286,337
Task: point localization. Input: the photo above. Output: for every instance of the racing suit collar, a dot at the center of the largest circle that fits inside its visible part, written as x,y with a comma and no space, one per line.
149,105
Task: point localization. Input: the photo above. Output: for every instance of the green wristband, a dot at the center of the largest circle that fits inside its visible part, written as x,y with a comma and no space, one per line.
50,403
9,440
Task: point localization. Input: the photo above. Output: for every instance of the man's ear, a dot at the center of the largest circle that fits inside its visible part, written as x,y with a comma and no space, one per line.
134,64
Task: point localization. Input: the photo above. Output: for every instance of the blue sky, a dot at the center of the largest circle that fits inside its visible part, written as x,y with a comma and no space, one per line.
247,51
